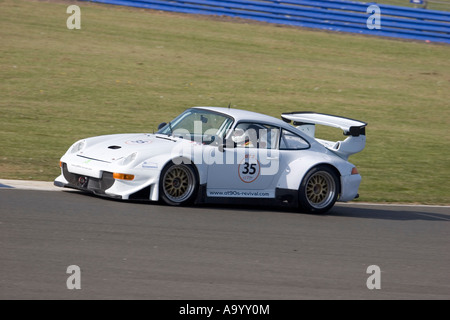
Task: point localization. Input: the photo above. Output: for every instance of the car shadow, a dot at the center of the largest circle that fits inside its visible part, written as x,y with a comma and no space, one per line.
387,212
364,211
379,212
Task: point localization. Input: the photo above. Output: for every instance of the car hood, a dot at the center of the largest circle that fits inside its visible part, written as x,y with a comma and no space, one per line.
116,147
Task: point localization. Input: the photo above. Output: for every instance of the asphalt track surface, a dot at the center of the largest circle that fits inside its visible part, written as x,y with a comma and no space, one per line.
129,250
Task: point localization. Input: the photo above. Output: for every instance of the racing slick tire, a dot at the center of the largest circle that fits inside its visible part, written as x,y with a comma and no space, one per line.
178,184
319,190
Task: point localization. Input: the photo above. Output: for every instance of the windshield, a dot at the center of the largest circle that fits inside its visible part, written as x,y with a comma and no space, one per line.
198,125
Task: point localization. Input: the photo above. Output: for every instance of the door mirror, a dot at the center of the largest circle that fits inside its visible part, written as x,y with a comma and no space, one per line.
162,125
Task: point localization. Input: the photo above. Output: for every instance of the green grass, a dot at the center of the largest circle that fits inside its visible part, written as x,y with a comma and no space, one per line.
127,70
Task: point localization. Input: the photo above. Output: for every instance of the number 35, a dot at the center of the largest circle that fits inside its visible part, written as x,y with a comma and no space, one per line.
249,168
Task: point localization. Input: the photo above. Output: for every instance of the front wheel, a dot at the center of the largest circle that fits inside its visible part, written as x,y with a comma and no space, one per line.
178,184
319,190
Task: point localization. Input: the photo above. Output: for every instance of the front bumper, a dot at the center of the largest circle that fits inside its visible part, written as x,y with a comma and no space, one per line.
94,185
97,177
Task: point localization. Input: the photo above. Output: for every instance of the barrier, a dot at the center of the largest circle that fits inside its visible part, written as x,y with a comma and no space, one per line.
338,15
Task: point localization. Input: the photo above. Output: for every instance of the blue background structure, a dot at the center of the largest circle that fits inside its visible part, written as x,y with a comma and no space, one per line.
338,15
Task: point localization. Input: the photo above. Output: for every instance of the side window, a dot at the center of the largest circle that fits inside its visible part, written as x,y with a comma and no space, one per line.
269,137
255,135
291,141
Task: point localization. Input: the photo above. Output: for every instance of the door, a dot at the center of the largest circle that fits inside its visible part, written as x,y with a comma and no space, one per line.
249,166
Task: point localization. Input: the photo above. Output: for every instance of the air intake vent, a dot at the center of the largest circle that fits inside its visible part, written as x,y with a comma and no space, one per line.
114,147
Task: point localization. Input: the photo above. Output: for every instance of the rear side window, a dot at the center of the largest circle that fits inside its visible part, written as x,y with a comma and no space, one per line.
291,141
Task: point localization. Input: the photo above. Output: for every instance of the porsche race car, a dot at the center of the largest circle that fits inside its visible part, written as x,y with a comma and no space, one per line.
222,155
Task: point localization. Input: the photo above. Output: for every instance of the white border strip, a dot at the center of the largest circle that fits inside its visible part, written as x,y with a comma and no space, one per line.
392,204
28,185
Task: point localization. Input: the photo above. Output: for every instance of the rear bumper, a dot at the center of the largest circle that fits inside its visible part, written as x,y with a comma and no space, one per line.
349,187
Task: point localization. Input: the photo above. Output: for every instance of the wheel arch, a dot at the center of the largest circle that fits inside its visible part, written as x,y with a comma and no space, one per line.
161,162
314,165
182,160
329,197
296,171
334,169
179,161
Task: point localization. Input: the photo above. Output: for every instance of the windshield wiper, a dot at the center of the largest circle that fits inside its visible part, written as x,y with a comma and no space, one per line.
164,138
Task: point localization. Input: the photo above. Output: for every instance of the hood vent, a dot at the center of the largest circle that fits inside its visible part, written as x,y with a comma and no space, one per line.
114,147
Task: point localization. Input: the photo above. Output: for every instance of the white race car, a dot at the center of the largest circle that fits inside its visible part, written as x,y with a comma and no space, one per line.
222,155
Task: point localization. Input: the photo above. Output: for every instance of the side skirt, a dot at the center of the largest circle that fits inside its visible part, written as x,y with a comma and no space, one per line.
283,197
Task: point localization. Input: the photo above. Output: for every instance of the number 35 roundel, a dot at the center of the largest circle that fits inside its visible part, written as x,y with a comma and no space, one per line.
249,169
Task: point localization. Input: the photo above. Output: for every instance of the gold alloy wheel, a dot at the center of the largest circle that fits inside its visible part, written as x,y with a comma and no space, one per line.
178,183
320,189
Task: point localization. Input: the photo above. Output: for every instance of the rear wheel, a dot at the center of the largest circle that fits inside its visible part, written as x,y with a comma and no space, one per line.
178,184
319,190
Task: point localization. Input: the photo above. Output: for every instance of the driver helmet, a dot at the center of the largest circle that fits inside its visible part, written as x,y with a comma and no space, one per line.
245,136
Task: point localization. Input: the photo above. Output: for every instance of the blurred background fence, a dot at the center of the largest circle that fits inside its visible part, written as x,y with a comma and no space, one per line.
342,16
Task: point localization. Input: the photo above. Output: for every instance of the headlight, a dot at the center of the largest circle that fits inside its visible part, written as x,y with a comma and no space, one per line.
129,159
77,147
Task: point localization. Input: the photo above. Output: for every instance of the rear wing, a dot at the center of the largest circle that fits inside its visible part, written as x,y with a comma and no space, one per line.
354,129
